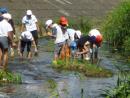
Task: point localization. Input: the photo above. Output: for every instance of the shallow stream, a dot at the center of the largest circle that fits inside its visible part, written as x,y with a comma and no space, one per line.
40,80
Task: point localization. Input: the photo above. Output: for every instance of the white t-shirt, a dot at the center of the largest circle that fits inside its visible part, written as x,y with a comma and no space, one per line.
71,33
94,32
5,27
26,35
56,29
30,24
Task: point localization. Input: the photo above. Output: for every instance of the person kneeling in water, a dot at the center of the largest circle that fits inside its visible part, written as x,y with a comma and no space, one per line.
26,38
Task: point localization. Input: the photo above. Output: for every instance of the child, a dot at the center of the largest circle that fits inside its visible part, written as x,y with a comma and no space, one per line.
83,45
26,39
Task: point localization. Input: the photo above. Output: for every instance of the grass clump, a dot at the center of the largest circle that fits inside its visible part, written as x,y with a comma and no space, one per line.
83,23
122,88
9,77
88,69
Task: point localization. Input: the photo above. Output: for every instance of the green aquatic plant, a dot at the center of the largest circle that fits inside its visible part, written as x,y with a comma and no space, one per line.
83,23
9,77
122,88
82,66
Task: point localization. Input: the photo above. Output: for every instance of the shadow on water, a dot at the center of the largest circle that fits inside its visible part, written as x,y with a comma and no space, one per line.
39,80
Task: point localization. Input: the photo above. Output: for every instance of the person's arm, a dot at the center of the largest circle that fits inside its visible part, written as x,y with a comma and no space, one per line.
12,24
23,24
10,37
38,30
19,44
22,27
83,52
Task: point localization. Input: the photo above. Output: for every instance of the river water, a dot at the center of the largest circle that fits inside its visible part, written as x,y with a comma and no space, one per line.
40,80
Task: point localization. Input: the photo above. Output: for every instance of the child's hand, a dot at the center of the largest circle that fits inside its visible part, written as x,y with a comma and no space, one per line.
49,33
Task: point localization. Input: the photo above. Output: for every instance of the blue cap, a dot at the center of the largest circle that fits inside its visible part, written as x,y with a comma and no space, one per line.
3,10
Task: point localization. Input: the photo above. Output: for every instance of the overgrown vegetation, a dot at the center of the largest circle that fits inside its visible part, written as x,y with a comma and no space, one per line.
9,77
117,27
88,69
83,23
122,89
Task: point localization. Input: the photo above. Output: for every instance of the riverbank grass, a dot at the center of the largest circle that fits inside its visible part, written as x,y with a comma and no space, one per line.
122,87
82,66
9,77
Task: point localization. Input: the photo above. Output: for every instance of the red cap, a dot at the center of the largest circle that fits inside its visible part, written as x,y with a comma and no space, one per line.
63,21
99,39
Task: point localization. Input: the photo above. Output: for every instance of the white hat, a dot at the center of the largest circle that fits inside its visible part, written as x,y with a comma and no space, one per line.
29,12
7,16
94,32
26,35
48,23
78,33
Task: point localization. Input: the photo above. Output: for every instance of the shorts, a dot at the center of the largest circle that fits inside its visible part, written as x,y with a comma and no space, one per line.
25,43
58,47
4,43
35,34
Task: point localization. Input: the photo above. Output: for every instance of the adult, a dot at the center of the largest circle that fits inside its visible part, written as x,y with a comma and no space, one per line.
26,39
5,37
30,22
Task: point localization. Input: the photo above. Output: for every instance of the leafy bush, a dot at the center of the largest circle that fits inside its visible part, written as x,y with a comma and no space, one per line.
117,25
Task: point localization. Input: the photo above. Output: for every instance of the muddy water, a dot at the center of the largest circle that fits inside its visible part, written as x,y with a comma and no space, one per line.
39,80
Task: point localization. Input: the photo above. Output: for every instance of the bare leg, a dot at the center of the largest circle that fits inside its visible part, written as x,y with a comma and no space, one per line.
29,55
12,52
5,59
0,57
21,56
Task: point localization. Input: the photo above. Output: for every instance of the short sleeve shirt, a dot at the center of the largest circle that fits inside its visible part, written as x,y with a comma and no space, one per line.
82,41
71,33
58,33
5,27
26,35
30,24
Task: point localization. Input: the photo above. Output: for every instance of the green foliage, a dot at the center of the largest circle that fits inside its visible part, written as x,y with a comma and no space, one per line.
126,47
88,69
122,89
83,24
9,77
117,25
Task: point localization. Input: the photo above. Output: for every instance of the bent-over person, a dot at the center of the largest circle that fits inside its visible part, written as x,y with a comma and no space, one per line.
26,39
